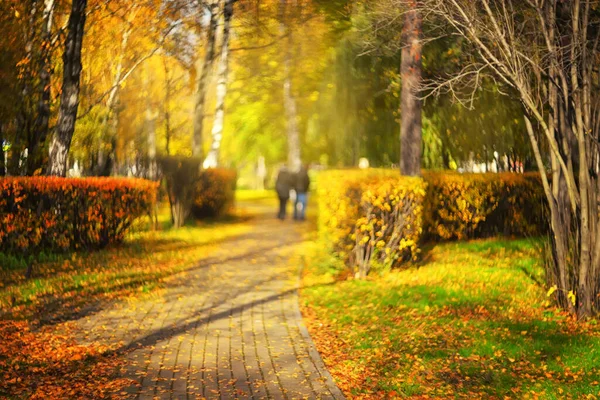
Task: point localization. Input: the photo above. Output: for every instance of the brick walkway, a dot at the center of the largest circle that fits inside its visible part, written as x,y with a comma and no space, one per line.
228,328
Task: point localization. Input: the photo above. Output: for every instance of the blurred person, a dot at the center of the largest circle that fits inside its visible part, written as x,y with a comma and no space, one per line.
283,186
302,183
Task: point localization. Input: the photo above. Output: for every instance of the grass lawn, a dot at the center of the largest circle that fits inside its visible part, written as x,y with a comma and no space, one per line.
471,321
38,356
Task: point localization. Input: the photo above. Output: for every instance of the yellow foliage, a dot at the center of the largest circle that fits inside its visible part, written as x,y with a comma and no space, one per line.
371,216
460,206
380,216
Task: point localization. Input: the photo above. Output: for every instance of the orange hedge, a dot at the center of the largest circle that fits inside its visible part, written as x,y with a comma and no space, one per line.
214,192
53,213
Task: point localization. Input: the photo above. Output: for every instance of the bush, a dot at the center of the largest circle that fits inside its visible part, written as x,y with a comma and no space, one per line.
461,206
59,213
214,192
372,215
379,217
181,175
390,224
339,194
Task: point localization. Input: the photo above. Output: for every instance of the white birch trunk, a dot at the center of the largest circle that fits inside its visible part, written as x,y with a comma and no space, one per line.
204,80
150,117
212,160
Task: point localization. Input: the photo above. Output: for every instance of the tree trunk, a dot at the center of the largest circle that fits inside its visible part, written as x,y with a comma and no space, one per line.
69,101
289,101
167,109
41,126
212,160
13,166
410,132
203,82
24,122
150,123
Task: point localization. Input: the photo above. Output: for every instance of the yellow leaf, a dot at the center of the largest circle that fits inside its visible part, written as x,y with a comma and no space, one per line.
571,296
551,290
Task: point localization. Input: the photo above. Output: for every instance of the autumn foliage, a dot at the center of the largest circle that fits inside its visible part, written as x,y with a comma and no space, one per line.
57,214
371,216
462,206
379,215
47,365
215,192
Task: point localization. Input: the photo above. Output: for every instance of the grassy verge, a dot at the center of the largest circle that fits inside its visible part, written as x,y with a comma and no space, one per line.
62,285
472,321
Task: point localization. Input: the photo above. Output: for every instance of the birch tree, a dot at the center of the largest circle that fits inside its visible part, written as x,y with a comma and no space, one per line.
212,8
212,160
547,53
69,102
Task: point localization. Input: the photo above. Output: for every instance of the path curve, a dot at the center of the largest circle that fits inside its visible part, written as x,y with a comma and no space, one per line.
228,328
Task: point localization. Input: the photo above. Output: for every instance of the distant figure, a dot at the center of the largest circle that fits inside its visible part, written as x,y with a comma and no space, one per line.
301,187
283,185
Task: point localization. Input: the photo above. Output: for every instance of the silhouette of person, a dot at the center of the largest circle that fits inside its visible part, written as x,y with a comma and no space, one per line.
283,185
301,186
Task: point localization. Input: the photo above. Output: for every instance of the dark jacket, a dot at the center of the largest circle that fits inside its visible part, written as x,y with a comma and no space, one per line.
302,181
284,183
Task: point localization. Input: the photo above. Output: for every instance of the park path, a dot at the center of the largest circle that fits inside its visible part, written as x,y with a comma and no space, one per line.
228,328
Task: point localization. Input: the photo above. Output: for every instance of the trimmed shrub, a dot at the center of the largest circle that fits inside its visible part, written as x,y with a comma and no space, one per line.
181,175
53,213
214,192
462,206
389,228
339,194
371,216
378,216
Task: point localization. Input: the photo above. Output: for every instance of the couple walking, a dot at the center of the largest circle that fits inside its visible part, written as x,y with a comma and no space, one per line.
299,183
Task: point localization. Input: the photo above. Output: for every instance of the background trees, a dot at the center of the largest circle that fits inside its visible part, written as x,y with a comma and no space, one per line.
154,75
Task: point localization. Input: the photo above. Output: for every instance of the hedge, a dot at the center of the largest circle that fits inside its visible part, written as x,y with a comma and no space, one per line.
214,192
466,206
53,213
379,215
371,216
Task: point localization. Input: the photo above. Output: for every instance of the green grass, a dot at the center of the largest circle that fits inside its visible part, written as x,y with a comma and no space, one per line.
471,321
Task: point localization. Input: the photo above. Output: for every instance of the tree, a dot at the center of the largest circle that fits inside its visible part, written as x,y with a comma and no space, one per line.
291,110
547,53
410,132
212,8
69,102
212,160
41,125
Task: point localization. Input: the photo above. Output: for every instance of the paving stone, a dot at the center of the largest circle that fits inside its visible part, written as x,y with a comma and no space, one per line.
229,328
